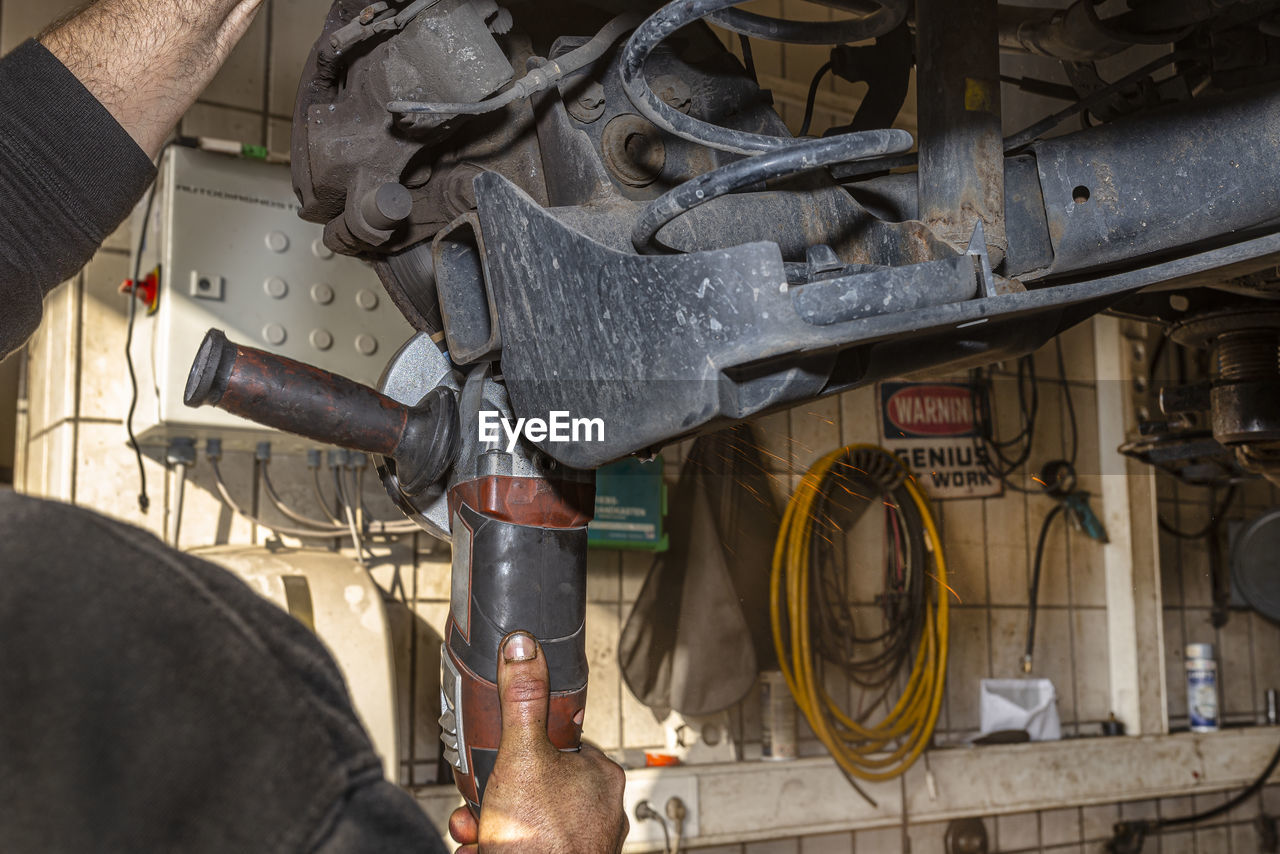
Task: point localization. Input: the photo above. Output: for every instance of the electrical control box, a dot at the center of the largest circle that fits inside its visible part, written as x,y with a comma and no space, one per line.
232,254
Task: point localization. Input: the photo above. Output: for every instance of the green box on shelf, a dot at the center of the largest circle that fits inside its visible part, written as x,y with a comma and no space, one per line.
631,503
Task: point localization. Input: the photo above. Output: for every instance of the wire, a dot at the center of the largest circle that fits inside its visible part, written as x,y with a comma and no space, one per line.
285,510
1129,835
1035,131
1034,593
321,499
748,58
1071,407
862,752
801,156
886,15
144,502
539,79
180,470
382,528
1215,519
811,101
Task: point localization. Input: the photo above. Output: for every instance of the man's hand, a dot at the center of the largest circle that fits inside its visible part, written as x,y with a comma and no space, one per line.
148,60
539,799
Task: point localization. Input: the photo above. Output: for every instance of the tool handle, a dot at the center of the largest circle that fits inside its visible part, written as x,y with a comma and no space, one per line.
298,398
511,576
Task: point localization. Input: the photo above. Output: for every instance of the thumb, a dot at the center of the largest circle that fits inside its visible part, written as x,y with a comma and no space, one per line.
524,692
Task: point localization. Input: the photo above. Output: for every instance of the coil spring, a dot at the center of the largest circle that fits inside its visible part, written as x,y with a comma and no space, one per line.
768,157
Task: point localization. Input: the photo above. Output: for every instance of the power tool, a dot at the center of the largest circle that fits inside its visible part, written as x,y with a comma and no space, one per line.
517,520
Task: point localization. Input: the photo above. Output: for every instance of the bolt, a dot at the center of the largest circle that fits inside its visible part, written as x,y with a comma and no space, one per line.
386,206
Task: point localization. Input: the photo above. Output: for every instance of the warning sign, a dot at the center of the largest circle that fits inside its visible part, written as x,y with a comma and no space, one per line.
930,426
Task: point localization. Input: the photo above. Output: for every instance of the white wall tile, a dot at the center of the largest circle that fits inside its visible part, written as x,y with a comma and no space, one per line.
107,477
603,575
1058,827
240,82
966,665
886,840
1093,673
52,367
1021,830
603,722
104,383
223,123
1008,559
295,26
20,21
827,843
772,846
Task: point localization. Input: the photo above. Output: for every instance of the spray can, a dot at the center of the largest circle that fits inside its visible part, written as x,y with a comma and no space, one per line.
1202,687
777,717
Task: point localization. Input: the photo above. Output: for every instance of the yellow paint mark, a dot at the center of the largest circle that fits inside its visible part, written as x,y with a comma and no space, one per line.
977,96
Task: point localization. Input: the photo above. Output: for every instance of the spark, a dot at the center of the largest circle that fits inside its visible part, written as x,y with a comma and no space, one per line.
949,588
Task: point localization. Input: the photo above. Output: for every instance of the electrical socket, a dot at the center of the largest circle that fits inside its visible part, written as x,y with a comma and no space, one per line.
657,786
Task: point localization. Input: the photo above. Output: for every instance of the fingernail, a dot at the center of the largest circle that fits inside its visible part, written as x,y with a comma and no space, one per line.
519,647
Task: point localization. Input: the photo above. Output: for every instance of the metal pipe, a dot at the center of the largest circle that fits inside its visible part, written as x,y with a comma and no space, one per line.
961,148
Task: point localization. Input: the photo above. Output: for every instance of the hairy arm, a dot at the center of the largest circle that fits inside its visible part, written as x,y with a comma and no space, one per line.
147,60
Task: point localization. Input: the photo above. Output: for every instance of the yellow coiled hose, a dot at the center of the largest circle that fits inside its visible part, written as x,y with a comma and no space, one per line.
864,752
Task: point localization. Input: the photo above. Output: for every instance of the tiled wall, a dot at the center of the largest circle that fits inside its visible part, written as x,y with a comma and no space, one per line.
1247,645
72,446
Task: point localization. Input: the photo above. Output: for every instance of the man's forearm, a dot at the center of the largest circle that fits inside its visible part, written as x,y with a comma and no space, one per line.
147,60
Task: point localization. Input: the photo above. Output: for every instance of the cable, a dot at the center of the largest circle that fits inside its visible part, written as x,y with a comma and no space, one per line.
539,79
335,531
799,156
1071,407
1128,836
884,16
811,101
1035,131
144,502
861,752
676,15
180,471
1034,594
321,499
1215,519
284,509
748,59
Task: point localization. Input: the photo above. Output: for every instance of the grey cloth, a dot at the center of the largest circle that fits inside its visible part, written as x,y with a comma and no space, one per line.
699,630
69,175
149,701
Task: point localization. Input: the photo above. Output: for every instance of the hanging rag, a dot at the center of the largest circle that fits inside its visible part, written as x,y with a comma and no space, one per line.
699,631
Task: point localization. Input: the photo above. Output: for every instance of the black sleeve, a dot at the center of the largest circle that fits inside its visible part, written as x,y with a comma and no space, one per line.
151,702
69,175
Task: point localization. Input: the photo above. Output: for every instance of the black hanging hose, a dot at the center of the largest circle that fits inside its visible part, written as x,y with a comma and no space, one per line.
811,101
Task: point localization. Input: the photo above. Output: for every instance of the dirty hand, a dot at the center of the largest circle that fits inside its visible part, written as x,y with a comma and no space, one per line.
539,799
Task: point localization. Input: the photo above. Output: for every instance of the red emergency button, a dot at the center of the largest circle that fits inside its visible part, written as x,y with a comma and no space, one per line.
148,290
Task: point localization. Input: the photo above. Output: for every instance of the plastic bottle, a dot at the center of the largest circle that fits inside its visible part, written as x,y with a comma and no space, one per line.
1202,687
